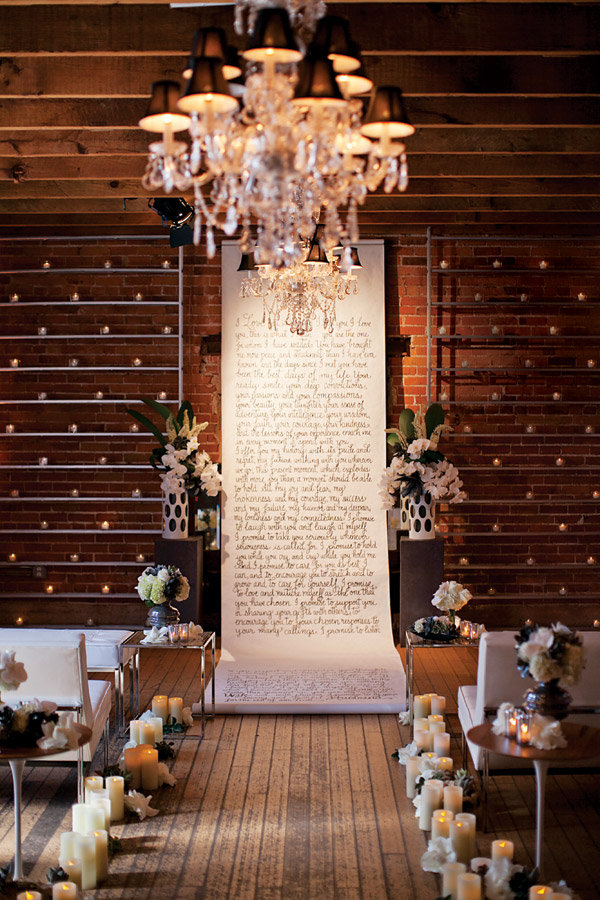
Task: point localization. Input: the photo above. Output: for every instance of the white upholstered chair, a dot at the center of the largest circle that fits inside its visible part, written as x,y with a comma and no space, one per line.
57,671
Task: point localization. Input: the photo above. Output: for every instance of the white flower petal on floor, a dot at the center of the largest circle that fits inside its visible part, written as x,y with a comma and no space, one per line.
405,752
165,776
439,852
139,804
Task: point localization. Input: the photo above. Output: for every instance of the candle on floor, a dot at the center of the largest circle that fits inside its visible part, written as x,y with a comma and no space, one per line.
147,733
438,705
440,823
160,706
445,763
85,850
134,731
453,798
441,743
502,849
157,724
133,765
468,886
461,842
421,724
101,839
470,820
434,717
437,727
67,845
431,798
73,869
430,755
421,739
421,706
540,890
413,770
29,895
78,811
101,800
92,783
115,785
176,709
450,873
149,769
64,890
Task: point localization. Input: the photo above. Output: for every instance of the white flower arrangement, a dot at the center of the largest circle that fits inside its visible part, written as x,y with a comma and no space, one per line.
451,596
162,584
439,852
417,465
179,457
550,653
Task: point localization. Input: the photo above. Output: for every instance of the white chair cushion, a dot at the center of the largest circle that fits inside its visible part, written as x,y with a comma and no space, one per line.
102,646
100,699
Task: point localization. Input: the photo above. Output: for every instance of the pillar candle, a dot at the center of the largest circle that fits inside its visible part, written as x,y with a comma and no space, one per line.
101,839
64,890
134,731
115,786
157,724
437,727
430,756
540,890
85,850
440,823
453,798
421,724
160,706
67,845
468,886
445,763
435,717
102,802
133,765
421,705
149,769
469,819
78,811
413,770
147,733
176,709
431,798
558,895
421,739
438,705
450,873
73,869
461,842
502,849
29,895
92,783
441,743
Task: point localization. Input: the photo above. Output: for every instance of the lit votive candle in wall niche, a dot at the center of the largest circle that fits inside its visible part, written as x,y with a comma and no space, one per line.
440,823
115,785
176,709
92,783
453,798
413,770
160,706
502,849
450,873
438,705
468,886
64,890
441,743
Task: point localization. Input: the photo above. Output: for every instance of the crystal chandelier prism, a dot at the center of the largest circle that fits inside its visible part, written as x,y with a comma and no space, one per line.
291,143
304,291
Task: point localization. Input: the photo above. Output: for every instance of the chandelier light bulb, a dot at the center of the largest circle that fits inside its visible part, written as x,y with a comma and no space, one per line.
491,591
530,429
73,362
167,329
166,264
74,297
14,298
582,297
73,557
596,495
495,395
554,329
19,620
137,361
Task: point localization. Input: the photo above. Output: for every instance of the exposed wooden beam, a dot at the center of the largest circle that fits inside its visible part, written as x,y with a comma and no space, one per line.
426,28
452,112
129,76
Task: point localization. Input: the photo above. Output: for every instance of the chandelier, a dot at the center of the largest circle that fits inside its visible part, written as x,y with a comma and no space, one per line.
301,291
292,145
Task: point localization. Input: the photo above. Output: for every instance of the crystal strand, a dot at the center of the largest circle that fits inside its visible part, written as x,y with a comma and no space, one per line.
403,179
210,242
197,225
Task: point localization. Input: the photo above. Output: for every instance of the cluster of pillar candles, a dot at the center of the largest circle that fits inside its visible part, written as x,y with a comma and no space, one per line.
429,728
517,725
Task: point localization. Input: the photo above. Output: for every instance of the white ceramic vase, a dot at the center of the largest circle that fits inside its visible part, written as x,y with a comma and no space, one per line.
175,512
421,515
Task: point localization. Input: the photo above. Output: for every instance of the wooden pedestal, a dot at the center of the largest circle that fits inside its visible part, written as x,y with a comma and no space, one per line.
186,554
421,573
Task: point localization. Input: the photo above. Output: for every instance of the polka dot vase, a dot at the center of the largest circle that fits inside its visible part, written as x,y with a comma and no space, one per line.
175,512
421,515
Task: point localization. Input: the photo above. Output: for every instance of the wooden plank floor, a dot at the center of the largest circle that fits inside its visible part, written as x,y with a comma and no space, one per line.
310,807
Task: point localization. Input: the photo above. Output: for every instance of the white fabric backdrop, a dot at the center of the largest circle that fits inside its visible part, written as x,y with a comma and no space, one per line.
305,594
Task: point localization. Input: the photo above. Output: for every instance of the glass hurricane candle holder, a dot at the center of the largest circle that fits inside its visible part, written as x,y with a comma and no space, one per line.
510,722
523,728
174,633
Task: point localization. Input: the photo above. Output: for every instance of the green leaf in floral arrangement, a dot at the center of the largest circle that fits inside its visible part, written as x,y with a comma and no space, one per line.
160,408
165,750
56,874
186,407
156,457
405,424
430,456
114,845
433,417
152,428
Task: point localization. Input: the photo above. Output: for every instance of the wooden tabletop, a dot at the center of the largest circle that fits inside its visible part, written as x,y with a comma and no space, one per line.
583,742
8,753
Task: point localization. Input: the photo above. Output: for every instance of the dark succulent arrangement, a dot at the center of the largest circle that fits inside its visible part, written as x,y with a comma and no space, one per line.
435,628
22,728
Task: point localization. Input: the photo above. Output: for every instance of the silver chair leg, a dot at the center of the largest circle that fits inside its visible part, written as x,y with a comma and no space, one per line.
465,754
105,738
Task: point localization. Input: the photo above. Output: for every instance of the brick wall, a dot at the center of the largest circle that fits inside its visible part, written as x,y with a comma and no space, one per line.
504,542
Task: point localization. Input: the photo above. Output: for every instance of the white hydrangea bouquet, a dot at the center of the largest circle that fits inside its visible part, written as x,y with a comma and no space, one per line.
550,653
449,597
162,584
417,465
179,457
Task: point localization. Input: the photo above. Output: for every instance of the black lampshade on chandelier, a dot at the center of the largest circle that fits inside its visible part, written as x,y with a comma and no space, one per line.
289,144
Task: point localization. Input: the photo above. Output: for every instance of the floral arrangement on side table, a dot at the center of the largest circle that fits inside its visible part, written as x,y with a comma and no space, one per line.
450,597
417,465
162,584
550,653
179,457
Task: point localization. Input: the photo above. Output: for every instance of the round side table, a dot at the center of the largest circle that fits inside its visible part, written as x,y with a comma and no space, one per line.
16,757
583,742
